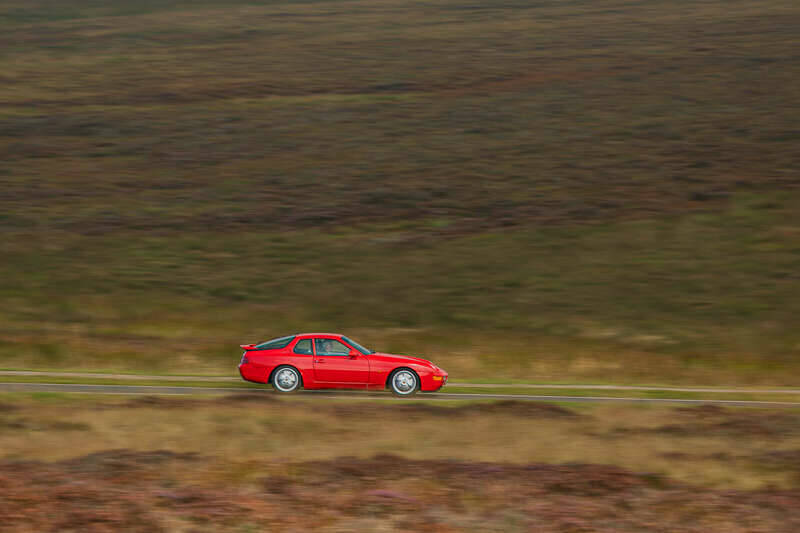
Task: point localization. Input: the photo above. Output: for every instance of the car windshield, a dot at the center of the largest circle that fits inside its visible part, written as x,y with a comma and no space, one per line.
274,344
354,344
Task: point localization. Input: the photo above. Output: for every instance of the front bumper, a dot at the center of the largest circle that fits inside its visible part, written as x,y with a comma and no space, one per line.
433,382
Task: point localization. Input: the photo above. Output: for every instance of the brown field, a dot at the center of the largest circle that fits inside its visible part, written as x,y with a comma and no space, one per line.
252,115
592,190
250,463
566,191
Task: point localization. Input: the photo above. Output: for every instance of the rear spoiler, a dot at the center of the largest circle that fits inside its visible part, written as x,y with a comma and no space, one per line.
247,347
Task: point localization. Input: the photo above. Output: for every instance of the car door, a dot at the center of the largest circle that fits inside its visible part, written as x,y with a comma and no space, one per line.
333,364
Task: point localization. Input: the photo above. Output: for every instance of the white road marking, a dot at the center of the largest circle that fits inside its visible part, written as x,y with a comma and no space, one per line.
116,376
543,386
167,390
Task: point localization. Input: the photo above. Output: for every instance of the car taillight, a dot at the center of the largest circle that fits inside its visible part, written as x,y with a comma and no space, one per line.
244,359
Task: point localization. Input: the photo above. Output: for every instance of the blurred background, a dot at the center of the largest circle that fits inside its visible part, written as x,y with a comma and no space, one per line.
593,189
574,191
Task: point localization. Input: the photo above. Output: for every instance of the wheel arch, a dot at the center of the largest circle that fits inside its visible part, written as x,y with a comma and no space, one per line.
388,383
275,369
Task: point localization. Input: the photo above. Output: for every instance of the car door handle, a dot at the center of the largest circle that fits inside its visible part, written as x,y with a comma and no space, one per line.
319,360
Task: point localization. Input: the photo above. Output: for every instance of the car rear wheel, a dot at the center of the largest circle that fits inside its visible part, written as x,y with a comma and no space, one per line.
404,382
286,379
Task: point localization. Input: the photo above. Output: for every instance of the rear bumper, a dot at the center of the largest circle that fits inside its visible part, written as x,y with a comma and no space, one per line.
254,373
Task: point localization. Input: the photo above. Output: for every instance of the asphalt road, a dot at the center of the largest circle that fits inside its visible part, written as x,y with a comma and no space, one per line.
542,386
167,390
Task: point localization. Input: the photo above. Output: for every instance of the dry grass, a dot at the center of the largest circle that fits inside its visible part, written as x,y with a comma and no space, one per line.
703,446
162,491
610,184
181,116
237,463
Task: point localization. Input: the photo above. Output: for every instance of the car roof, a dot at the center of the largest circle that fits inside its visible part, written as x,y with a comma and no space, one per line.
331,335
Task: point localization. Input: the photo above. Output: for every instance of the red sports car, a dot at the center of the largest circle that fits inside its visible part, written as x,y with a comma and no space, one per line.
331,361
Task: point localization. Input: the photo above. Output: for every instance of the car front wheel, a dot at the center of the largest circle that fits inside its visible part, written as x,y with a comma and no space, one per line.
286,379
404,382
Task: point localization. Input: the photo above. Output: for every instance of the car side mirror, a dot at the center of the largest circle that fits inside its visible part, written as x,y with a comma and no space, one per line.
352,353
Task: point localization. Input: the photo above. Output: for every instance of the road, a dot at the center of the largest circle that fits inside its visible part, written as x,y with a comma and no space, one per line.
170,390
542,386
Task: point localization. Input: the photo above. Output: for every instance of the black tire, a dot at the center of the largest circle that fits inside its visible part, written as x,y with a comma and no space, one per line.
404,382
286,379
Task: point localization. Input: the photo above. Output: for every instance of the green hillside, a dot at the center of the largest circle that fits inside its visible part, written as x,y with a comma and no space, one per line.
594,190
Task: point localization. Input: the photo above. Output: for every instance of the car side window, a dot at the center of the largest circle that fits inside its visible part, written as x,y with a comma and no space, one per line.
330,347
276,344
303,347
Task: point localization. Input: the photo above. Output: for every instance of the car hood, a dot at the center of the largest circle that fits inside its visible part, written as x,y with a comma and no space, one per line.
400,359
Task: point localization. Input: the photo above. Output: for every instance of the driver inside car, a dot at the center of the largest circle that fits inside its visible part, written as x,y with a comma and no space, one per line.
330,347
